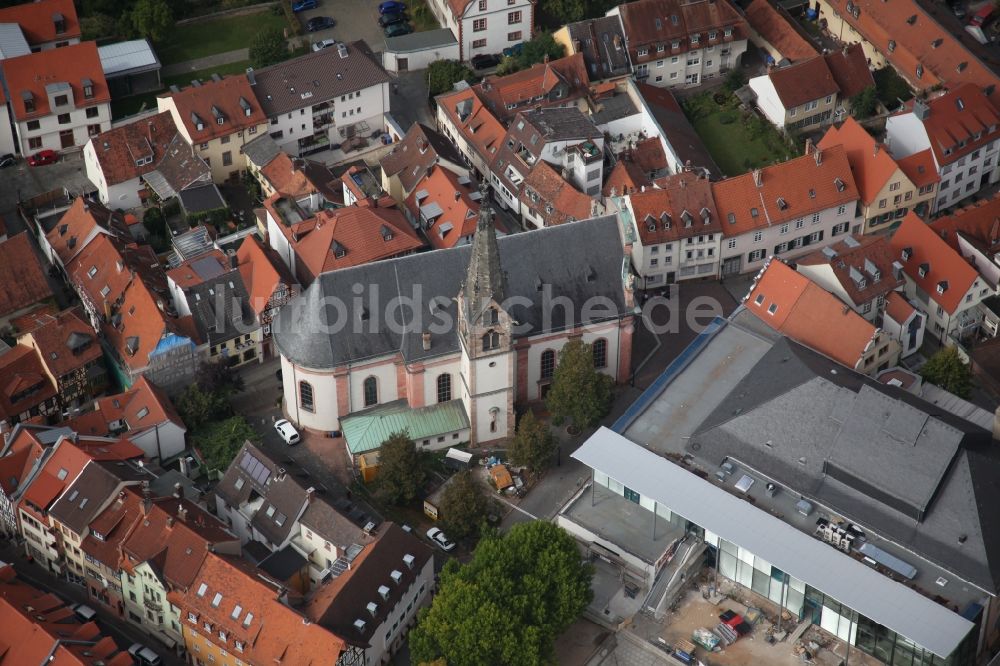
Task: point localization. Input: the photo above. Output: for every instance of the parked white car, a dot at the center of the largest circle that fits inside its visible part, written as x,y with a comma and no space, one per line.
324,44
287,432
440,540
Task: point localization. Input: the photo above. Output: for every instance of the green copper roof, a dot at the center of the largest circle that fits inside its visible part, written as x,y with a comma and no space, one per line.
365,431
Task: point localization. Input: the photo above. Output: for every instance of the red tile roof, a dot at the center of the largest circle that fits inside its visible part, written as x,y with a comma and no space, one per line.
779,32
871,163
920,168
79,223
941,263
625,177
364,234
807,185
65,342
648,155
268,632
142,406
175,536
959,116
652,22
263,273
524,88
287,178
21,274
113,524
71,65
211,264
548,195
942,57
419,149
793,305
37,627
854,264
23,382
849,68
232,97
978,223
459,210
474,121
803,82
660,212
37,23
134,149
897,307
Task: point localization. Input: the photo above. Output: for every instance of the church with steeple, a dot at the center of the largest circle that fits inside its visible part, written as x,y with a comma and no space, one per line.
450,344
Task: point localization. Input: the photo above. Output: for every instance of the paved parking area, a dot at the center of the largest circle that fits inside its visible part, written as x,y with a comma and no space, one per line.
355,19
21,182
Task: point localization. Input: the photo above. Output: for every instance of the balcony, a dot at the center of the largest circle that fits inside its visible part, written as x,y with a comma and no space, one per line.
152,603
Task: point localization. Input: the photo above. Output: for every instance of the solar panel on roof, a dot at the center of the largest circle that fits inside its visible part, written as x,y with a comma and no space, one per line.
207,267
254,468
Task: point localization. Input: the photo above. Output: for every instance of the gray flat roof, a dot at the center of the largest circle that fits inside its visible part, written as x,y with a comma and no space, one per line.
420,41
127,57
623,523
849,581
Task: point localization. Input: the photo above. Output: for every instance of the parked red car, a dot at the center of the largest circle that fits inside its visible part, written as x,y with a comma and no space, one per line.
43,157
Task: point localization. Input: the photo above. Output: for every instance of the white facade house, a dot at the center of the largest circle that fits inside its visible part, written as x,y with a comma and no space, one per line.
308,112
485,26
58,98
484,356
8,142
962,130
786,210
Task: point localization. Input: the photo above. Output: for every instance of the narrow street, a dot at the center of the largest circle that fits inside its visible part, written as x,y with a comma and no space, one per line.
123,633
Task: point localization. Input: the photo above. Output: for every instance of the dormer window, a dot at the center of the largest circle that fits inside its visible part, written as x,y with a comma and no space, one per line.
920,71
686,216
728,32
923,269
59,22
676,44
840,184
196,120
892,45
29,101
712,35
782,204
665,219
695,39
88,88
942,286
339,251
245,105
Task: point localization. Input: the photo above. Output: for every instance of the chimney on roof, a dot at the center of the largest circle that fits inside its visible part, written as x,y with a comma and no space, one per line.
809,145
425,340
251,77
819,156
182,513
875,150
920,109
310,493
147,500
178,491
757,180
458,195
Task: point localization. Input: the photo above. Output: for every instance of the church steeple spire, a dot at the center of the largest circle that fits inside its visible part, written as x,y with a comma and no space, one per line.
485,280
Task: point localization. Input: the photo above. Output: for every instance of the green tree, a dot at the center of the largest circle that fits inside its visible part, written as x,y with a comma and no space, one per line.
579,391
947,370
442,75
735,80
220,441
560,12
152,19
891,87
98,26
533,444
155,222
464,506
865,103
198,407
219,378
268,47
401,475
509,603
540,47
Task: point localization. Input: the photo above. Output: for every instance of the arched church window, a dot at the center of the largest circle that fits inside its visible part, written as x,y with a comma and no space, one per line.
548,363
491,340
371,391
306,397
444,387
600,348
491,317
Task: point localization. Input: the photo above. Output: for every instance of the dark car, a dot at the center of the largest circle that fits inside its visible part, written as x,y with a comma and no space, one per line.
389,19
7,160
43,157
319,23
398,29
391,7
303,5
485,60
